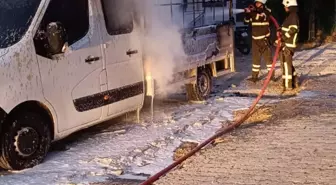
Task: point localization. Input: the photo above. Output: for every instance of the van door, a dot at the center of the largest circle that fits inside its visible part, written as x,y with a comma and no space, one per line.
123,57
72,79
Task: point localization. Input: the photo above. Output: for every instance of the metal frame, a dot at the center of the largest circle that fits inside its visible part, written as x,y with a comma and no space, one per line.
198,8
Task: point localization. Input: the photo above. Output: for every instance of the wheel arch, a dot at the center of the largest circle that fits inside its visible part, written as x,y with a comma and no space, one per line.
3,116
38,107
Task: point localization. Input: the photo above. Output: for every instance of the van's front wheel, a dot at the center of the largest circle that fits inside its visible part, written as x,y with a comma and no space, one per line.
25,141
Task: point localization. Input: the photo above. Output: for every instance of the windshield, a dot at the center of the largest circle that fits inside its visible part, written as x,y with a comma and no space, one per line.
15,18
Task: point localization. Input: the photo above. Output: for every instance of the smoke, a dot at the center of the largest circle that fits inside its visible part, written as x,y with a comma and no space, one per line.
162,42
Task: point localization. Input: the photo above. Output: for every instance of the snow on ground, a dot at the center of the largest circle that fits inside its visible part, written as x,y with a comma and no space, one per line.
139,150
144,148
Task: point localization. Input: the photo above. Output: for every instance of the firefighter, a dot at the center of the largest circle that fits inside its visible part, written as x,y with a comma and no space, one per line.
289,36
259,19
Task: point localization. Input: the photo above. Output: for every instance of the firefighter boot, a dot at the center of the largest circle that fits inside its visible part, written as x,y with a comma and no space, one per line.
253,78
296,82
286,89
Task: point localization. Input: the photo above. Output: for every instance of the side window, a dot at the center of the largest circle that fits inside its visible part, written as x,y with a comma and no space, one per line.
118,16
65,22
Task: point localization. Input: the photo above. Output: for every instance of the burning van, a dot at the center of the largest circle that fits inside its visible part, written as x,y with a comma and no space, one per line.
70,64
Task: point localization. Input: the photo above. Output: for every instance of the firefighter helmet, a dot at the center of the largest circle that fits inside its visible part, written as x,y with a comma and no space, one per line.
288,3
261,1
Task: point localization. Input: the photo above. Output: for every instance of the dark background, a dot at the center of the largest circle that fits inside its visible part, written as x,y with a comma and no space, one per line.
314,15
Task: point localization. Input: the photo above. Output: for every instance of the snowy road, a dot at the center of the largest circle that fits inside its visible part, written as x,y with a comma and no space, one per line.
295,146
138,150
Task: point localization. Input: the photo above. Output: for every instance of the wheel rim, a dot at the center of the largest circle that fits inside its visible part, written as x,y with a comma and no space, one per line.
203,85
26,141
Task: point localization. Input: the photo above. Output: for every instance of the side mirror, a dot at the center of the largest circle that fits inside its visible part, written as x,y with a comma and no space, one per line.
56,37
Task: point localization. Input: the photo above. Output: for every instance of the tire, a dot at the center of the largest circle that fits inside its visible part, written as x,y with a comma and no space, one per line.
25,141
202,89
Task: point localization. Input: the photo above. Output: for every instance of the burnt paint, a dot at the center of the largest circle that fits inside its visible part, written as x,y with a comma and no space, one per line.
108,97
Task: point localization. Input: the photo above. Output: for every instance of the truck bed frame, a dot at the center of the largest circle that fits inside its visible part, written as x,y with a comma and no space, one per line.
208,41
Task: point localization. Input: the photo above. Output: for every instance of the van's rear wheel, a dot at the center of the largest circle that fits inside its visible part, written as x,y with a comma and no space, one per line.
25,141
203,87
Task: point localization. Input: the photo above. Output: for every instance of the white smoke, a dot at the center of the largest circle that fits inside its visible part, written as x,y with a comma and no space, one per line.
162,42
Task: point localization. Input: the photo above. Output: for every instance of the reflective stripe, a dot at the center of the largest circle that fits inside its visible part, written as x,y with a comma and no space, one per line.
293,44
287,35
293,26
247,20
260,37
269,67
295,38
255,70
261,15
284,29
289,27
260,23
256,66
288,77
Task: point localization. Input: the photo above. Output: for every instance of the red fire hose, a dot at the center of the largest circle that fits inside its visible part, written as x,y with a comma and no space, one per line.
227,129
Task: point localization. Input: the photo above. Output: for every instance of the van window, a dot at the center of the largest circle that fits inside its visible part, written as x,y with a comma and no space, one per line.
118,16
15,19
74,17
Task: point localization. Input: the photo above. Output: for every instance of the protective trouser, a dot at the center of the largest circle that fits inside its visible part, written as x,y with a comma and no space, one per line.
261,48
289,75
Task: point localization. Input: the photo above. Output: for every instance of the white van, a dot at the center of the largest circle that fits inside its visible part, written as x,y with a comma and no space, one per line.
65,65
50,91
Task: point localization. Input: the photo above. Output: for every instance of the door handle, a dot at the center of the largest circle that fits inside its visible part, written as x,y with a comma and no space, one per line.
91,59
131,52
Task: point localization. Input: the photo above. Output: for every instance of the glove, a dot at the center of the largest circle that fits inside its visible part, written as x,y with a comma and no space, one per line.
281,43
